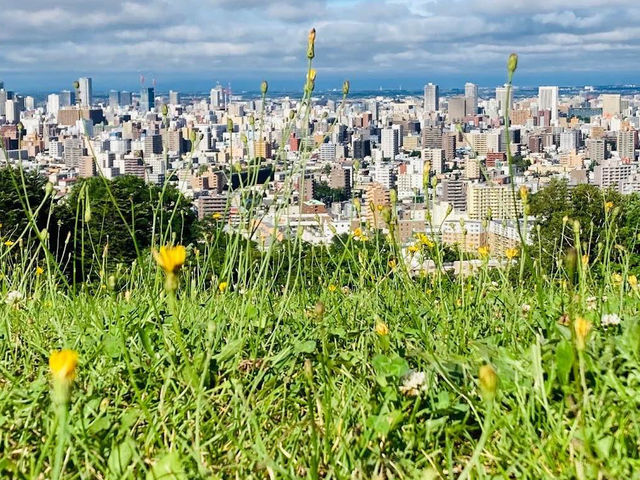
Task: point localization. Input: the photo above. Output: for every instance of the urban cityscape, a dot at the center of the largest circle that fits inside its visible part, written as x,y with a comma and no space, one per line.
357,149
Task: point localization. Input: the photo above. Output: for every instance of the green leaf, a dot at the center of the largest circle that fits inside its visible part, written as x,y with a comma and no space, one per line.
564,361
308,346
230,350
168,467
384,423
121,456
603,446
395,366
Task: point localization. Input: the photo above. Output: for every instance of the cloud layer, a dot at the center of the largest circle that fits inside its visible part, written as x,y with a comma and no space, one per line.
367,38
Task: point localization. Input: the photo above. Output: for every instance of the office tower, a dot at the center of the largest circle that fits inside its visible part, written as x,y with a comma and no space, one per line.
373,107
72,152
431,97
12,111
471,94
174,97
67,98
457,109
327,152
85,91
569,141
449,145
432,137
29,103
125,98
548,100
4,96
114,99
435,156
53,104
501,98
152,144
390,142
611,105
147,99
626,141
360,148
217,96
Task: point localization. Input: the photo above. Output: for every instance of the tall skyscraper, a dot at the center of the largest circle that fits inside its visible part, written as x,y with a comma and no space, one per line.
147,99
390,142
501,98
85,91
431,97
471,95
457,108
114,98
174,97
67,98
548,100
125,98
217,95
611,104
53,104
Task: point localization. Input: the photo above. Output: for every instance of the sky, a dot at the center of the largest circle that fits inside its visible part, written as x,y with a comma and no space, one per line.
192,44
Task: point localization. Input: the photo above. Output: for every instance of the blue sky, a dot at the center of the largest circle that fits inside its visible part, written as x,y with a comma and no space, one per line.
191,44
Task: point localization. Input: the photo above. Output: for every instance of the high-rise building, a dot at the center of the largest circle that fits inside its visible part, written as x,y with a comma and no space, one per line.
501,98
147,99
454,191
67,98
596,150
53,104
548,100
610,173
498,200
457,109
85,91
218,98
471,95
125,98
174,97
12,111
611,104
390,142
114,99
626,141
431,97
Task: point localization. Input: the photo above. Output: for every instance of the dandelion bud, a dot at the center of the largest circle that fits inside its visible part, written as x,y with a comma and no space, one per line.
565,220
292,114
193,136
44,234
229,125
264,87
524,193
581,328
381,329
393,196
87,212
252,121
48,189
357,205
76,85
449,209
243,138
386,215
111,282
165,110
434,182
311,44
308,370
570,262
20,127
488,382
512,63
345,88
576,227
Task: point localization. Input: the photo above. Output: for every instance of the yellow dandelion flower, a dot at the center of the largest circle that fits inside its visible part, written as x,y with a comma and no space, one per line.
414,249
488,381
170,258
608,206
392,264
483,251
616,278
217,216
585,259
332,288
63,365
581,327
39,271
381,329
511,253
8,243
633,281
223,286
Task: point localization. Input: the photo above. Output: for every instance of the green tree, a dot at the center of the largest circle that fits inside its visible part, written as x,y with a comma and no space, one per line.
19,191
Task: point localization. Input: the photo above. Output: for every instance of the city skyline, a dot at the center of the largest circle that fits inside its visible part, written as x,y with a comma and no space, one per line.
376,43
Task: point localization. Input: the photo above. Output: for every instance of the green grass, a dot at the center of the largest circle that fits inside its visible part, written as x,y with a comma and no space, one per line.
258,384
